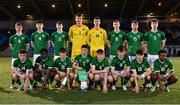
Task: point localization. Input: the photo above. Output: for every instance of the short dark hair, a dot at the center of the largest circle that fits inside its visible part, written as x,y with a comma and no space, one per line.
44,50
21,51
19,24
62,50
154,20
99,51
39,22
85,46
78,15
120,48
162,51
139,52
135,22
97,17
58,22
115,21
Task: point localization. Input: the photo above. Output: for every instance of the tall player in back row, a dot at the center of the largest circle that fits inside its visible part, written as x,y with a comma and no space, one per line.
77,35
155,40
40,39
97,37
59,39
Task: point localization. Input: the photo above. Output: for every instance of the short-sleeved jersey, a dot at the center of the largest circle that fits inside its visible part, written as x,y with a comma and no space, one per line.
59,40
84,62
100,65
22,66
119,64
78,36
154,40
140,67
163,67
134,42
40,40
116,40
45,63
18,42
97,38
62,65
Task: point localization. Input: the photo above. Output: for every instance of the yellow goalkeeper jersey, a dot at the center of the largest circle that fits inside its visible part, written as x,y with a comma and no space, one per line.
96,39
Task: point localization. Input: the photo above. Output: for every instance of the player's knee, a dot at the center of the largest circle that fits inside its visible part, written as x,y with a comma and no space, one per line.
154,77
57,77
148,77
172,79
131,79
14,76
71,76
37,75
96,77
90,76
110,79
53,73
31,76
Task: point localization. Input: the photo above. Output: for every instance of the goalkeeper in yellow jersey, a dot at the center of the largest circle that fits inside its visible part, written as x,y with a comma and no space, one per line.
77,36
97,37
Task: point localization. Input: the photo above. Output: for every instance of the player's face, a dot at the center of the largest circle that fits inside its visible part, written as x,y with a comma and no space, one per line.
62,55
39,26
154,25
134,26
18,28
78,19
44,55
59,26
97,22
22,57
100,56
162,56
84,51
139,57
121,54
116,25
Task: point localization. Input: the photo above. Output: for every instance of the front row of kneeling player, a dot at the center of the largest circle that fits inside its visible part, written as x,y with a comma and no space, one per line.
93,72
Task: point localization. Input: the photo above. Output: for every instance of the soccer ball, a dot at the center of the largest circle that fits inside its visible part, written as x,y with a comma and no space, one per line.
84,85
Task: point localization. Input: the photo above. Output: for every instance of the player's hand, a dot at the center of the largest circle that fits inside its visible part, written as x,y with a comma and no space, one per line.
23,76
136,89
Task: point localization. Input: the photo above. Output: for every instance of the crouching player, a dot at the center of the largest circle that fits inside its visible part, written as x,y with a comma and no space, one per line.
82,68
22,68
63,67
118,70
140,70
100,70
44,68
161,66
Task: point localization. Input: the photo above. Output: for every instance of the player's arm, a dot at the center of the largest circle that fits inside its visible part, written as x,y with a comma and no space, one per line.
76,65
157,71
70,33
89,38
163,42
113,71
106,39
10,42
94,71
135,79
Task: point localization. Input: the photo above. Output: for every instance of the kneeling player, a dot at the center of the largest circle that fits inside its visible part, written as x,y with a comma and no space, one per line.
117,68
44,68
100,69
82,66
63,67
140,70
22,68
161,66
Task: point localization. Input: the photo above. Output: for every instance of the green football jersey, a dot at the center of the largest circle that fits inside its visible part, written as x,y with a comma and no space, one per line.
59,40
100,65
119,64
45,63
163,67
134,42
23,66
84,62
140,67
18,42
40,40
116,40
154,40
62,65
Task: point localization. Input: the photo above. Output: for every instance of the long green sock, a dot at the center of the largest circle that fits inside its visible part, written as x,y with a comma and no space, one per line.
31,82
18,81
12,81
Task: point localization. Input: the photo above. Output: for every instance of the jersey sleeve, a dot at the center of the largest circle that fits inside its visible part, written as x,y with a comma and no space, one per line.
127,61
47,37
52,37
69,63
163,38
38,60
105,37
67,37
70,34
27,40
32,37
146,37
170,66
113,64
15,64
156,66
93,62
133,66
29,65
147,64
55,65
50,63
11,40
106,63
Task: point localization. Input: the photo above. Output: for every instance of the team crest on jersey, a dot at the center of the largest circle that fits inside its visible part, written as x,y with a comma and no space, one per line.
63,35
138,36
87,60
135,39
43,35
101,32
19,41
83,29
22,38
120,64
165,65
116,39
159,34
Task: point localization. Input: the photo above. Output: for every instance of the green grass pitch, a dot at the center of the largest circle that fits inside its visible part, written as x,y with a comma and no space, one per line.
12,96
